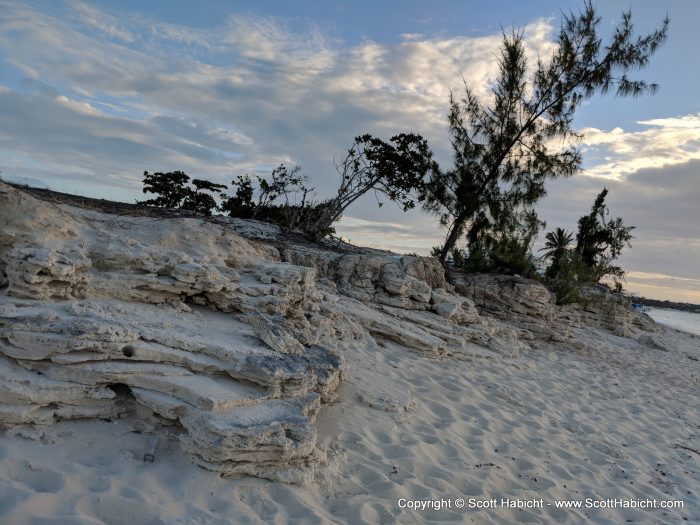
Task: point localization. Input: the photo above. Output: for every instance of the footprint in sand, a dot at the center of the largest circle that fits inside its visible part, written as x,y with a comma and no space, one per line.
131,494
96,483
37,478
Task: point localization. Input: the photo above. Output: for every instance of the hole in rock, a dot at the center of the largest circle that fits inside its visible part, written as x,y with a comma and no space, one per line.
120,389
128,351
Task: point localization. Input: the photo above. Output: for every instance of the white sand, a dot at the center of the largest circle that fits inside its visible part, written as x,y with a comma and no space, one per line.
619,420
557,425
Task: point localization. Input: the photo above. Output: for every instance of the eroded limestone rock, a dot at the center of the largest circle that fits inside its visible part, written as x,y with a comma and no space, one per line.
231,333
181,316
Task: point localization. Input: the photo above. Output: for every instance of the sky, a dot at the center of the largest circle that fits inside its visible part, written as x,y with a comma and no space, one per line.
92,93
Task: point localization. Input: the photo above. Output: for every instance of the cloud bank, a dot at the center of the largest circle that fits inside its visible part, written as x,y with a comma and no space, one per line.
91,98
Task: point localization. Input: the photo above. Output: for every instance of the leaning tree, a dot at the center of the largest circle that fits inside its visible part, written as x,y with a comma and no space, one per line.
505,149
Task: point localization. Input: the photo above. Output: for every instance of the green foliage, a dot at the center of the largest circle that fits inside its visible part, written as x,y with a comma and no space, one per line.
175,190
600,238
503,151
568,277
284,183
556,249
395,169
199,201
283,199
599,242
505,255
170,188
503,250
312,220
240,204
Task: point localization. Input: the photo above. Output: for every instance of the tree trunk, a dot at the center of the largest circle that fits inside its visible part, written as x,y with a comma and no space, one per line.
453,237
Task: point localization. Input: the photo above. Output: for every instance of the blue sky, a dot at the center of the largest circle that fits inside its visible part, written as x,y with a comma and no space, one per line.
93,93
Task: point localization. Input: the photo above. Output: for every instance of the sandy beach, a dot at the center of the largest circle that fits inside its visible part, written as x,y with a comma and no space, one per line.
429,406
349,263
552,425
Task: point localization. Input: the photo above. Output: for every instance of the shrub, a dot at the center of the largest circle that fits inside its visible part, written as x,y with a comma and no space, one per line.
600,240
174,190
395,169
285,186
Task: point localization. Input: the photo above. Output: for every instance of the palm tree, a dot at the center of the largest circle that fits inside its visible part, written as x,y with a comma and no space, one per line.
556,247
557,242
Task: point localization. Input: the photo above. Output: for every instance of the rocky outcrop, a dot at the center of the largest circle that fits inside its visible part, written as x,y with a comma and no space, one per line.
393,280
531,309
506,297
99,312
228,331
598,307
238,342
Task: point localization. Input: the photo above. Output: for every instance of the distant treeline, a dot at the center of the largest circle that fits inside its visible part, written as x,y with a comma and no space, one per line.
685,307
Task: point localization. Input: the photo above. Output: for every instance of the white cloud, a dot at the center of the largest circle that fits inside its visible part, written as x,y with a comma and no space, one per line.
272,91
661,143
108,95
663,286
103,22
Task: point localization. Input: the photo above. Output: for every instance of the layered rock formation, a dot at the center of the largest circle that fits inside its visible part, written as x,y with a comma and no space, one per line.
182,316
531,309
228,330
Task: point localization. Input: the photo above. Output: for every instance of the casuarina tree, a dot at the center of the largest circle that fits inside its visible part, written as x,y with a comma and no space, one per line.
507,147
601,239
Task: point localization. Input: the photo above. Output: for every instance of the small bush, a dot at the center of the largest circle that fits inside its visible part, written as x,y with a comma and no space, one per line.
394,169
285,199
174,190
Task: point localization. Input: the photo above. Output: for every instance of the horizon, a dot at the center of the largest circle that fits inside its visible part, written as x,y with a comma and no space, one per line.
94,93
